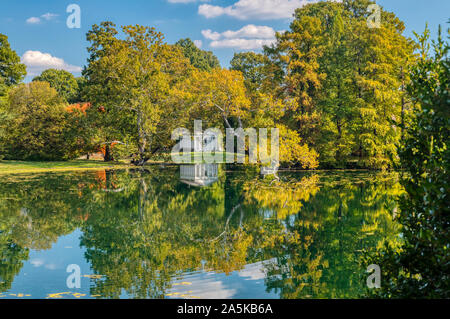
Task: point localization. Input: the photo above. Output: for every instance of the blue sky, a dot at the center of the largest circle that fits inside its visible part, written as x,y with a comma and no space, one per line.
37,29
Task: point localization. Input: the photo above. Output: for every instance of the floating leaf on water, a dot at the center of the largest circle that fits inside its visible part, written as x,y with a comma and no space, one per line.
57,295
93,276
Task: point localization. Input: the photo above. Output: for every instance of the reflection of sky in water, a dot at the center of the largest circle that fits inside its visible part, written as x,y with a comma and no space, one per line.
45,273
247,283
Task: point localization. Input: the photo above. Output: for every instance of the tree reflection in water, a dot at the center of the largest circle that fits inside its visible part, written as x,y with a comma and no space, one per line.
143,228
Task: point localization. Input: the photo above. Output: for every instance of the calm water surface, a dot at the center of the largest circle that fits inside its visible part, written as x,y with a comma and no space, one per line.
192,232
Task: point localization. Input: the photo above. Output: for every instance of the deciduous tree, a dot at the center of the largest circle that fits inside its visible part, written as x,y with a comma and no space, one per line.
130,80
12,71
38,130
63,82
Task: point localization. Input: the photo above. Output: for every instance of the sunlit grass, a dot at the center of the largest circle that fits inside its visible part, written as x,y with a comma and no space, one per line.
31,167
7,167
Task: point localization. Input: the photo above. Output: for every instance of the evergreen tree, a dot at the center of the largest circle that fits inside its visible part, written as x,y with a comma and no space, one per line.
201,59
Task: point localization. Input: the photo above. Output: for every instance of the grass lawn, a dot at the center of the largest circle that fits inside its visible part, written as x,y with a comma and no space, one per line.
36,167
7,167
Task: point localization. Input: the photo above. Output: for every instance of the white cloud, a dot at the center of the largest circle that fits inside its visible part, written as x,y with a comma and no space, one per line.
255,271
33,20
51,266
243,44
198,43
37,262
209,286
37,62
251,31
186,1
249,37
210,35
36,20
255,9
210,11
49,16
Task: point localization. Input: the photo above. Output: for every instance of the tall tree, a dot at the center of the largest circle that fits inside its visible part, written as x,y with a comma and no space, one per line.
130,80
12,71
347,81
295,57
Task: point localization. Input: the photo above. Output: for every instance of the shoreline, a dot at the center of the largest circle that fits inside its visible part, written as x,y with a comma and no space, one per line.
19,167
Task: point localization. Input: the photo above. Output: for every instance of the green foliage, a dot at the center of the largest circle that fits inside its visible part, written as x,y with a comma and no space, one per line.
39,124
420,268
81,81
201,59
63,82
12,71
129,83
4,121
346,81
253,67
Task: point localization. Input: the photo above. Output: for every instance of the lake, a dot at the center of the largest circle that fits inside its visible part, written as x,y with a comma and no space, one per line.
192,231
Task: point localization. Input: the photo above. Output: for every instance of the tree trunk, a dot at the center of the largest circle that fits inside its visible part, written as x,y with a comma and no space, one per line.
141,138
108,154
403,105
